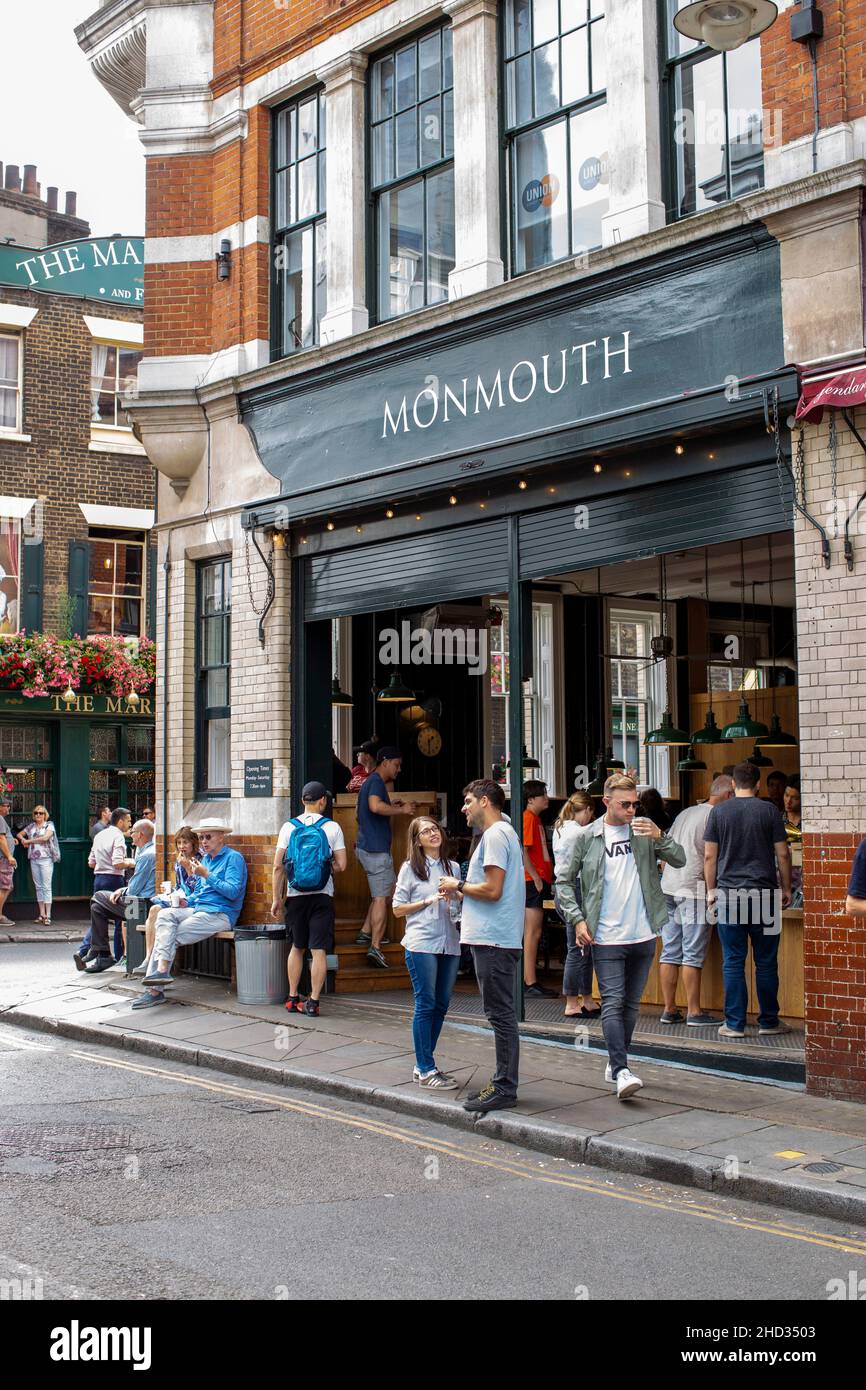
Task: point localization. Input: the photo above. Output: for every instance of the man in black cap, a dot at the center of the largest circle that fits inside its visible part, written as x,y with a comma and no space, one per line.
373,848
310,850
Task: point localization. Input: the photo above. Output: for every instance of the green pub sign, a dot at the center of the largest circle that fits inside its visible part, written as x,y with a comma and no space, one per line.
107,268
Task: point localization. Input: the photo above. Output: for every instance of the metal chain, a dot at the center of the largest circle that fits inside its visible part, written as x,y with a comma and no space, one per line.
271,589
801,468
833,474
781,470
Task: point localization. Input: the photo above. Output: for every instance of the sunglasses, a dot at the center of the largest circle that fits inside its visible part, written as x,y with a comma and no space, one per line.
628,805
206,835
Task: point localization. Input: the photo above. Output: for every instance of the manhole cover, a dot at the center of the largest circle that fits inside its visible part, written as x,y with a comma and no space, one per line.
826,1167
52,1141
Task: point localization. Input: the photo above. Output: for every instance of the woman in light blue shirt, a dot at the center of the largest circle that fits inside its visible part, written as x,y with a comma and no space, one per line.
431,943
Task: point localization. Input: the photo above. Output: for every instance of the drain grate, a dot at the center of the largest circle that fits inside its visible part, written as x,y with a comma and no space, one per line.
248,1107
824,1167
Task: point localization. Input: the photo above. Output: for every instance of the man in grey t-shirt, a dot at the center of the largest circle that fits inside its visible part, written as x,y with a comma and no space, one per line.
7,862
494,899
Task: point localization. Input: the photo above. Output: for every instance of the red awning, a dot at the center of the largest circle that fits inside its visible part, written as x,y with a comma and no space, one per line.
845,389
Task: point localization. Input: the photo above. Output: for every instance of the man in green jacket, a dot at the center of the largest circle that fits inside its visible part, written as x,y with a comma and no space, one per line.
622,913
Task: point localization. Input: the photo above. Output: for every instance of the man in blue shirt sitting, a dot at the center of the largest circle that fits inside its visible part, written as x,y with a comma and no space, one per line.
108,905
214,905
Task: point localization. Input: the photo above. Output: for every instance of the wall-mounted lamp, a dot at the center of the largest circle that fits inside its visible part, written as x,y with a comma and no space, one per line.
725,24
223,260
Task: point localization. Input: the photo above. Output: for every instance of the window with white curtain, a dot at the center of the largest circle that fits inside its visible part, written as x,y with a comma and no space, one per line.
113,373
638,694
539,702
10,382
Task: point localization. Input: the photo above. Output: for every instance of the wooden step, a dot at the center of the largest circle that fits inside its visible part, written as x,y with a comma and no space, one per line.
363,981
355,957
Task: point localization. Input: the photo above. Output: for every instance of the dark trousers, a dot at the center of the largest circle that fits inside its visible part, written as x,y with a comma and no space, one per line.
103,911
496,971
105,883
622,973
735,936
577,975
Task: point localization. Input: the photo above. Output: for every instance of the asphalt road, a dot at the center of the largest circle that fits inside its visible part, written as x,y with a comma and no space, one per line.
136,1179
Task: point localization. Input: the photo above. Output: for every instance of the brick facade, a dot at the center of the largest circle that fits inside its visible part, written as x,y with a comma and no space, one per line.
57,466
787,73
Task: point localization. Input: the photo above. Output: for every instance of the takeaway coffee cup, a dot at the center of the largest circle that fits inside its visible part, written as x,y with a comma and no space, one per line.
165,887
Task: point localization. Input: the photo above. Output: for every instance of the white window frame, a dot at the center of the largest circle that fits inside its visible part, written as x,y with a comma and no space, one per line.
341,667
656,765
550,751
14,431
116,540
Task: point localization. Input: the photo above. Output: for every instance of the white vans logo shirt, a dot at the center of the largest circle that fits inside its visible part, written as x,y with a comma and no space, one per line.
623,920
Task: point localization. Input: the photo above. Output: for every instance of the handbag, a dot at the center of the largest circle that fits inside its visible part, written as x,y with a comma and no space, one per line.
54,848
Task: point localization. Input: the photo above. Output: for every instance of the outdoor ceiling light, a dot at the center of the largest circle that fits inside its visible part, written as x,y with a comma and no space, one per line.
133,699
725,24
223,260
776,738
395,691
339,699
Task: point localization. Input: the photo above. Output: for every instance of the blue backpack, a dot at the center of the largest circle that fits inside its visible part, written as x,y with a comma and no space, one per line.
308,857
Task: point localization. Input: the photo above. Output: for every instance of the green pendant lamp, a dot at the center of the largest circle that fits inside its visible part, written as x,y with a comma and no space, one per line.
776,738
611,763
395,692
691,764
744,726
339,698
526,760
758,760
710,733
596,786
667,735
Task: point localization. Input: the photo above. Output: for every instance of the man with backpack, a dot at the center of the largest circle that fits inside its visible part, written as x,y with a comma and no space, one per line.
310,850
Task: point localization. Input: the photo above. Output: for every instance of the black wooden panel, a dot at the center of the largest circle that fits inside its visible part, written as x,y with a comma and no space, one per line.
698,511
410,570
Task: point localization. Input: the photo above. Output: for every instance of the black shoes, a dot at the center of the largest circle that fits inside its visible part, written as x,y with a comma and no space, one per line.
537,991
489,1098
98,964
375,957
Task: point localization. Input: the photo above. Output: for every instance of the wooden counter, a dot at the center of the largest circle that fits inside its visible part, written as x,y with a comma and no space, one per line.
351,892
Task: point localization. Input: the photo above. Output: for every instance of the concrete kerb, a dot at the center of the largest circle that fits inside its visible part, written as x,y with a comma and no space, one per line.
560,1141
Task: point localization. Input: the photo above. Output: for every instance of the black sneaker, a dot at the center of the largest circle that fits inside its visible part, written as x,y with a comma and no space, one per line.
79,960
310,1007
375,957
364,939
489,1098
537,991
98,964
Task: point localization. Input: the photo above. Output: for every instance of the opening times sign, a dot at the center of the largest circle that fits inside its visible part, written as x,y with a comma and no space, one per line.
109,269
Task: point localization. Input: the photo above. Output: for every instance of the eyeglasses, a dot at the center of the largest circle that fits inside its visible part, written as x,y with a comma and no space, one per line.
429,830
627,805
205,835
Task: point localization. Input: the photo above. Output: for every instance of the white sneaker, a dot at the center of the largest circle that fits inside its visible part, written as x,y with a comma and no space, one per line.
627,1084
608,1074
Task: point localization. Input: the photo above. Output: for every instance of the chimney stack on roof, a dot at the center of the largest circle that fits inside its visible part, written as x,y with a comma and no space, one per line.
51,198
12,182
30,184
71,203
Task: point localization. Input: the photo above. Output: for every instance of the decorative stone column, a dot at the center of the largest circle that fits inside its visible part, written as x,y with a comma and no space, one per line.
345,84
634,128
477,155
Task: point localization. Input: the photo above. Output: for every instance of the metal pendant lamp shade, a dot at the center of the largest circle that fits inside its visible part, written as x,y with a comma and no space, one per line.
710,733
526,760
339,698
667,735
611,763
395,691
744,726
691,764
776,738
758,760
596,786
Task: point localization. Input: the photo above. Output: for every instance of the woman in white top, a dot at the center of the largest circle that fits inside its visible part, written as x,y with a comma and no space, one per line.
574,819
431,943
40,840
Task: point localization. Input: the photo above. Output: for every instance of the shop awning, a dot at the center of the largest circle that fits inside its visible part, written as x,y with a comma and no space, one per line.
842,390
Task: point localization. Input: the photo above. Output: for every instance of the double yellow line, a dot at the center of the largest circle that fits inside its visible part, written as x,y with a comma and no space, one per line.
511,1167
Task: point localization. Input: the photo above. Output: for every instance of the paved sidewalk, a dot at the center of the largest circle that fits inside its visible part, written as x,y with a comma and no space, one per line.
760,1141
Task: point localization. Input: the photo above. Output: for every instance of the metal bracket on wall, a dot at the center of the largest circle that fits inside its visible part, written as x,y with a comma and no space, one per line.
271,592
849,544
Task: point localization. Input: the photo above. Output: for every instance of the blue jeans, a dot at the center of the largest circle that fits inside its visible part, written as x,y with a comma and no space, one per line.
622,973
735,940
577,975
432,979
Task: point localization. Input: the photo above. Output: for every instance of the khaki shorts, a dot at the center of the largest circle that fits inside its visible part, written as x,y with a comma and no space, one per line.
379,869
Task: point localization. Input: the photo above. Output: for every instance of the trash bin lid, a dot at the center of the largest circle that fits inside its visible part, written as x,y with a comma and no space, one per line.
260,932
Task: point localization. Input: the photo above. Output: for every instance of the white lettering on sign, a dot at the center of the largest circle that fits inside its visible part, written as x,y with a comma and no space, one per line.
522,382
66,260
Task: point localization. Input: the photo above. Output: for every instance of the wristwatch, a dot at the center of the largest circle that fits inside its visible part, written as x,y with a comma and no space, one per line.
461,884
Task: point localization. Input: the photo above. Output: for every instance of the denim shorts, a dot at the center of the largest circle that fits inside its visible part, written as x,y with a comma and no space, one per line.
379,869
686,934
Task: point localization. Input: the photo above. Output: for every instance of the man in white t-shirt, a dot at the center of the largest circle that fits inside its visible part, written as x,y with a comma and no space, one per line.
307,885
494,901
622,912
686,936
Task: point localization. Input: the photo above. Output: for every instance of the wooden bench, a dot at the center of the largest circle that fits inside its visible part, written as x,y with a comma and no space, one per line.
232,977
